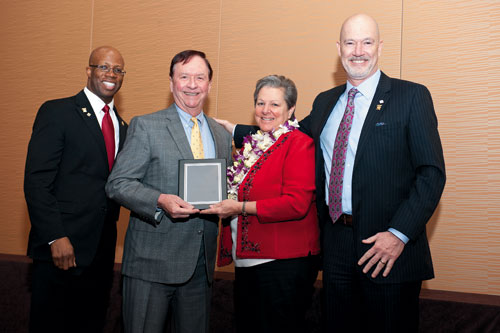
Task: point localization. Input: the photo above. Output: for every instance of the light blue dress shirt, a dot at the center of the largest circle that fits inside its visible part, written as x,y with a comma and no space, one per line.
206,136
362,101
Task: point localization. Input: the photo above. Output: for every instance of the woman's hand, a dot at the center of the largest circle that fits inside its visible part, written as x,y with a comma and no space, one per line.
226,124
226,208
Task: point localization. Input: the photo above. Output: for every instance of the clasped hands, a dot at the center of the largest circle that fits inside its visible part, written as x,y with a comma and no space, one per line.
383,254
178,208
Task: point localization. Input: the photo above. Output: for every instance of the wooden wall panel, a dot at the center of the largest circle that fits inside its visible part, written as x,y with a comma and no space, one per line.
149,34
449,47
44,50
293,38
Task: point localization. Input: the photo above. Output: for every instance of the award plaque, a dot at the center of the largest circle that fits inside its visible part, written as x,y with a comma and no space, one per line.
202,182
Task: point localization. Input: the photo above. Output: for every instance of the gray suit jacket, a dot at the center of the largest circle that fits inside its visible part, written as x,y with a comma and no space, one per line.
161,250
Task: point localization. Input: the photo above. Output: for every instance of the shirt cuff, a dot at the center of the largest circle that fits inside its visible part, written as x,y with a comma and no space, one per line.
158,214
399,235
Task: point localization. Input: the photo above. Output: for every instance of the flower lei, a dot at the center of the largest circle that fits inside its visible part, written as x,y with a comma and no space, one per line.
254,145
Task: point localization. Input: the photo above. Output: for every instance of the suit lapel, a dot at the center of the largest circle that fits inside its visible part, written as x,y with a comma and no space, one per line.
174,126
122,129
218,138
328,108
84,109
374,113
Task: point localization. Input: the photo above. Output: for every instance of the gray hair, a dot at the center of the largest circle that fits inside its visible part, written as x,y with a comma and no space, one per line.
278,81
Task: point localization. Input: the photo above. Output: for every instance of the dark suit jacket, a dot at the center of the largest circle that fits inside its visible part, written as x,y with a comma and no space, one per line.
66,171
398,175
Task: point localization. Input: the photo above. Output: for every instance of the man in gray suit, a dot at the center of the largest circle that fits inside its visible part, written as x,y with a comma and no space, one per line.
169,252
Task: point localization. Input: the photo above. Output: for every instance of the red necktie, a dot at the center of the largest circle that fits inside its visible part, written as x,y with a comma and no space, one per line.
338,159
108,132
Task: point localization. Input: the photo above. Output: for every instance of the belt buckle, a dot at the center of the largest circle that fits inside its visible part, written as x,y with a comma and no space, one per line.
344,219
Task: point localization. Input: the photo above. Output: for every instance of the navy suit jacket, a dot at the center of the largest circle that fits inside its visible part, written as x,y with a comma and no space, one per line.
398,175
66,171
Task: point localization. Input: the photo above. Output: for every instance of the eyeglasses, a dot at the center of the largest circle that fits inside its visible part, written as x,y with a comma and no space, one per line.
106,69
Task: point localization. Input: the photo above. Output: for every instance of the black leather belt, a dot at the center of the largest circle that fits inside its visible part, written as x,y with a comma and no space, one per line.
345,220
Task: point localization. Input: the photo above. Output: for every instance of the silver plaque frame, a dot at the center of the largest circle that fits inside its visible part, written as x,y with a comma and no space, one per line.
202,182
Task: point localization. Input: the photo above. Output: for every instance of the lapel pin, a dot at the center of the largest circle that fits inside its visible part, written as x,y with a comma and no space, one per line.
381,101
88,114
379,106
123,124
84,109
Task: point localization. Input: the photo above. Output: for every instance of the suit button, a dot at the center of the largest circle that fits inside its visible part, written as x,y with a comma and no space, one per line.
200,232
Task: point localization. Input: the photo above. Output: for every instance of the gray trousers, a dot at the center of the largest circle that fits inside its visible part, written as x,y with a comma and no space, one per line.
146,304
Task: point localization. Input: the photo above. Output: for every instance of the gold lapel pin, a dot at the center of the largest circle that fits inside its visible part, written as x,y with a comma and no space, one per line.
123,124
84,109
379,106
88,114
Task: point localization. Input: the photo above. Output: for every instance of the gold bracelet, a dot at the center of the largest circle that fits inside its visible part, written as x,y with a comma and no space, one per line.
243,211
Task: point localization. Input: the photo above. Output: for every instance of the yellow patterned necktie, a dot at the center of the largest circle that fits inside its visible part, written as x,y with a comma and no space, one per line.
196,144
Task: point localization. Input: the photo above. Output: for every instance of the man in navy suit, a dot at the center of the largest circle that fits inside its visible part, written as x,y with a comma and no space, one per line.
73,224
376,254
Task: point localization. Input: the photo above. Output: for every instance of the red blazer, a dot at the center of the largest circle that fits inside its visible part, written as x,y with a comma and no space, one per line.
282,182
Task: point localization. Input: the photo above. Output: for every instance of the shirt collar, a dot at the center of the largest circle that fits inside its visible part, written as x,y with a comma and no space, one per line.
186,117
97,103
368,87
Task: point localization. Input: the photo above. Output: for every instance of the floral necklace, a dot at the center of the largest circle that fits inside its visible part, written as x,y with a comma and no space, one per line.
254,145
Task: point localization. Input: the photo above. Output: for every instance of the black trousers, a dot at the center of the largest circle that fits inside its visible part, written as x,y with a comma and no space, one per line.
274,297
75,300
354,303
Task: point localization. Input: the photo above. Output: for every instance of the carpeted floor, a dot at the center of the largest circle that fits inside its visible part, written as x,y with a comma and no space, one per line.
440,311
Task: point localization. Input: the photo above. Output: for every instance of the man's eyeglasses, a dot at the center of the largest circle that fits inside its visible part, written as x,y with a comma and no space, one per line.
106,69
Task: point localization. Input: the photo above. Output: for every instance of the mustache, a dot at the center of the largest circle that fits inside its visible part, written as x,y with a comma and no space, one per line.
358,58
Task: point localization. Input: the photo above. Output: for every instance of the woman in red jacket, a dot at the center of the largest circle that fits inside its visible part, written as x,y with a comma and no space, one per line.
273,237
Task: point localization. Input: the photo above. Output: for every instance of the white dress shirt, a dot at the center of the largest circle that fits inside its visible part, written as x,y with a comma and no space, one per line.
97,105
362,102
